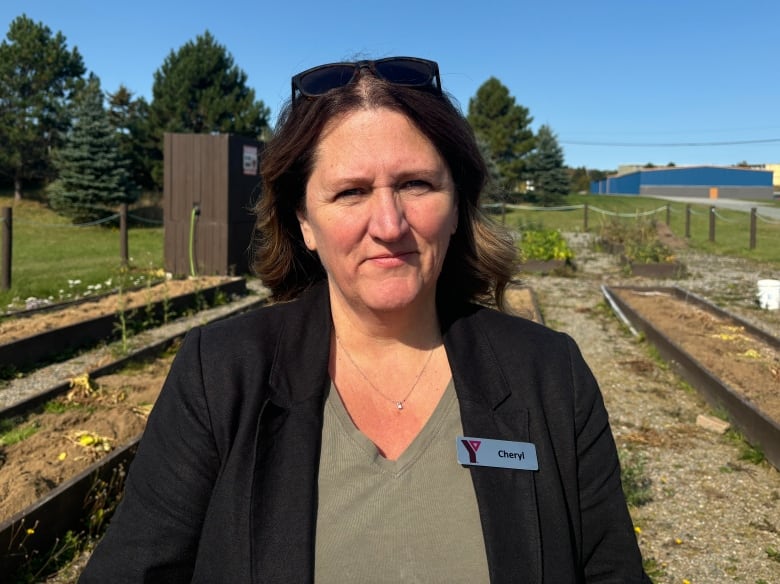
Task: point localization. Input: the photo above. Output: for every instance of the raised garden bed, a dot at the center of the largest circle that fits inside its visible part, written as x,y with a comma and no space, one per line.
77,439
732,363
544,251
521,300
658,270
644,248
25,342
545,267
75,504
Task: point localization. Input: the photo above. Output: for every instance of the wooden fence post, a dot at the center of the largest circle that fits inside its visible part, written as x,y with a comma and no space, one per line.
585,218
688,221
5,269
712,223
123,249
752,228
668,214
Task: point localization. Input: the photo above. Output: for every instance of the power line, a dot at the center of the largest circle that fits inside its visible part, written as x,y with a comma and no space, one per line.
669,144
686,132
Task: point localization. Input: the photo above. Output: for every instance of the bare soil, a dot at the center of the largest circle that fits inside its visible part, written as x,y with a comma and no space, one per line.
75,431
15,328
743,361
96,417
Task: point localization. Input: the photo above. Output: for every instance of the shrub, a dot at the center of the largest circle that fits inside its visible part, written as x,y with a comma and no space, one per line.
544,245
636,240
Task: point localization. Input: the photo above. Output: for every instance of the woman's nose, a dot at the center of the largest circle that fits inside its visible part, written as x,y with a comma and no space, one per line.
388,220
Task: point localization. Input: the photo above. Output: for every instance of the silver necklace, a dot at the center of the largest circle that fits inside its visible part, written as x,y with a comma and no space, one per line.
399,404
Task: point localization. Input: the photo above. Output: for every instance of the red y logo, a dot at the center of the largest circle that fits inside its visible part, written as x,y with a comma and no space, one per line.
471,447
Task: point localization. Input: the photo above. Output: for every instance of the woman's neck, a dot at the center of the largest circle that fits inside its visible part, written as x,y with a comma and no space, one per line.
414,325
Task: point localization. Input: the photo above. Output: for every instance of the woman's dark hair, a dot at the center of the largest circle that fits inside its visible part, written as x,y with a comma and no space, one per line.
480,259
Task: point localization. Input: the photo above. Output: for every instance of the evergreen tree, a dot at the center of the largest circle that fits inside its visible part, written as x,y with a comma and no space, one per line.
130,118
494,191
580,179
549,175
37,78
200,89
504,127
597,175
93,178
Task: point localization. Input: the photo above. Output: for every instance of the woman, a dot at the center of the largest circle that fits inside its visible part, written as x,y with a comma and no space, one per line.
377,423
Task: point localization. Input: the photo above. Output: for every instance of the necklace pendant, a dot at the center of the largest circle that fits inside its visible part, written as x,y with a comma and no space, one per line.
399,405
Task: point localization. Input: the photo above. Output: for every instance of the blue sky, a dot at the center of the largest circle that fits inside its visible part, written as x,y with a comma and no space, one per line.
618,81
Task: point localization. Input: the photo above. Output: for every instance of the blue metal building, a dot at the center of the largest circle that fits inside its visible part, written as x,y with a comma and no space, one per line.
690,181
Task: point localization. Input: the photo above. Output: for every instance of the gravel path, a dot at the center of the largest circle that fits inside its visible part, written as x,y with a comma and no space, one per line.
713,517
40,380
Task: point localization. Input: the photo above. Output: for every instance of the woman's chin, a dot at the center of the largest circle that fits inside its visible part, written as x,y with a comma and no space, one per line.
395,298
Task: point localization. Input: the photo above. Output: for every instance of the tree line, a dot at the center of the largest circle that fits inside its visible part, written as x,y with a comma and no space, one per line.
92,149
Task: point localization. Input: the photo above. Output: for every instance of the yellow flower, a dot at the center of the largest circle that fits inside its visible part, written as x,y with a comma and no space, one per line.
637,530
62,456
686,581
30,531
86,440
677,540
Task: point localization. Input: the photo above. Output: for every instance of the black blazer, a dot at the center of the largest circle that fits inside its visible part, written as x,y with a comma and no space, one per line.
224,485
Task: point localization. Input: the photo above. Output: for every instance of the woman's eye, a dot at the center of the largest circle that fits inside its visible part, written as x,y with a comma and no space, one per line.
350,193
415,187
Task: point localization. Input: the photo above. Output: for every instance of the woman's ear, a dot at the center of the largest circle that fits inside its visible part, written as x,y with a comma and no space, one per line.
306,231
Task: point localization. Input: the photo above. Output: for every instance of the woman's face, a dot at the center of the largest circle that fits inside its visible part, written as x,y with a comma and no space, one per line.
380,210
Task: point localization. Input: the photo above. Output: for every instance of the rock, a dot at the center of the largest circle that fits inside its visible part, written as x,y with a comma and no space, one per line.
712,424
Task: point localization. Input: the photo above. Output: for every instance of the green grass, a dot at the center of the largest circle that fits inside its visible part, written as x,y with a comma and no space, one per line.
653,568
773,554
14,431
732,228
57,407
636,482
747,451
49,254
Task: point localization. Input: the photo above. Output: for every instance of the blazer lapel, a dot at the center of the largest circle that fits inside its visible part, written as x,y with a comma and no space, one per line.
289,432
491,408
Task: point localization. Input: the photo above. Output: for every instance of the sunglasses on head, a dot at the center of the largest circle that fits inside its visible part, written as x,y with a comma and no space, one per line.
406,71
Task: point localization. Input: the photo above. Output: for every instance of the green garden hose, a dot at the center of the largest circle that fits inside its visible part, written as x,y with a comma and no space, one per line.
195,212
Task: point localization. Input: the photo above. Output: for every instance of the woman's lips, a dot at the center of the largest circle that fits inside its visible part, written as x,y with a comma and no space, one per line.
391,259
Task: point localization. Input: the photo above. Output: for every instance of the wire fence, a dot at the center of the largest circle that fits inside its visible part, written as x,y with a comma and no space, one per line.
6,235
713,214
606,212
96,222
721,217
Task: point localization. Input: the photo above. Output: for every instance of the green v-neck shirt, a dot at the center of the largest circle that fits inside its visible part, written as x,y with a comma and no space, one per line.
414,519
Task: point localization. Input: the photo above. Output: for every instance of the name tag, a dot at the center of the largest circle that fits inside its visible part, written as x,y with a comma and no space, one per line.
496,453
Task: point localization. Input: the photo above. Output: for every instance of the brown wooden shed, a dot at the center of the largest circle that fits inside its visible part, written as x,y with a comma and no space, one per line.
210,184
